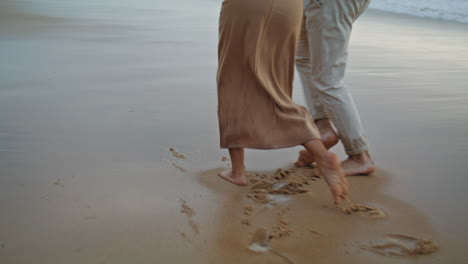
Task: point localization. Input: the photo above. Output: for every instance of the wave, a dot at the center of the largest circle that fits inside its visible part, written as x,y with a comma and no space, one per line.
452,10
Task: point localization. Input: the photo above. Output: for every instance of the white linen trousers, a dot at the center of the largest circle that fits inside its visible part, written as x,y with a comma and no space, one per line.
321,59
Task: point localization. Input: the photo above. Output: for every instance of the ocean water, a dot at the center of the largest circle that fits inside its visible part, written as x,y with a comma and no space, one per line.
452,10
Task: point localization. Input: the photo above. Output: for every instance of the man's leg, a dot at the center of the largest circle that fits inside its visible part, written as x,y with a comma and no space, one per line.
329,29
303,65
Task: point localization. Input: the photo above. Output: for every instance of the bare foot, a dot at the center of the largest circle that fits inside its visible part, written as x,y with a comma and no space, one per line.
331,171
237,179
360,164
305,159
328,136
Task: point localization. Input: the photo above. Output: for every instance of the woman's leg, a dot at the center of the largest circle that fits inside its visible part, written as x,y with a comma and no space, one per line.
330,168
235,175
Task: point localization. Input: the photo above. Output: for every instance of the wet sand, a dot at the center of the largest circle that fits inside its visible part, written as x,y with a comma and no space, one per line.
94,95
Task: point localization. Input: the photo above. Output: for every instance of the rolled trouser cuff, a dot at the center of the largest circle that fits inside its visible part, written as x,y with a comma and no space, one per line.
355,147
320,115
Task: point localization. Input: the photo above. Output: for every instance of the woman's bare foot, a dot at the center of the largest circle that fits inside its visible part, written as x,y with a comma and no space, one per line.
236,175
360,164
237,178
330,168
304,160
328,136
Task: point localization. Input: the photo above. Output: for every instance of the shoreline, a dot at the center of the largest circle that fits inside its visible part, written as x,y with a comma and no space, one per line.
401,15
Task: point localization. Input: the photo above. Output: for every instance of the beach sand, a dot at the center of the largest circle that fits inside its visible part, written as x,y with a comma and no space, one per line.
94,95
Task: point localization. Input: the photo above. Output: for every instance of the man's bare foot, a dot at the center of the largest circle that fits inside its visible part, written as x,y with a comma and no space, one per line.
330,169
360,164
237,179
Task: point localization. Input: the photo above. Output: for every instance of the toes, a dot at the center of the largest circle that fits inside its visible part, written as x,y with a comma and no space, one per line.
339,199
300,163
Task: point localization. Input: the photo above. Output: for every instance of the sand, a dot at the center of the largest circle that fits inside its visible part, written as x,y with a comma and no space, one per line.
350,207
189,213
93,95
259,244
177,154
403,246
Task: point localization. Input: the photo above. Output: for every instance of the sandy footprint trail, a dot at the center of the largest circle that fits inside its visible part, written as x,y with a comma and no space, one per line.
181,169
259,244
403,245
248,212
266,188
293,181
179,156
350,207
281,229
189,213
271,189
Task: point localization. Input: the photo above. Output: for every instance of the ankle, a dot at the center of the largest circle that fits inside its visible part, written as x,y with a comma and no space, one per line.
324,124
361,157
324,158
238,170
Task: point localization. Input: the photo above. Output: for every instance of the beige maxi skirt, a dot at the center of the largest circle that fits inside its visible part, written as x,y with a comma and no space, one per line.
257,45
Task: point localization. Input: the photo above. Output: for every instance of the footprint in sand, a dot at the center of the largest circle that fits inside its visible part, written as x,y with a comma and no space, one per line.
403,245
259,244
282,229
316,232
248,212
259,241
177,154
350,207
226,160
181,169
189,212
270,189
